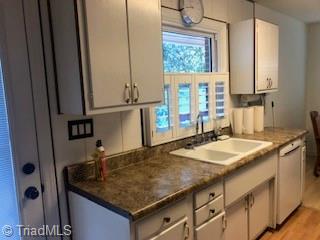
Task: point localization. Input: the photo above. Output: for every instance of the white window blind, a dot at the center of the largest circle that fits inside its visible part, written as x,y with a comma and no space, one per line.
8,199
163,112
220,99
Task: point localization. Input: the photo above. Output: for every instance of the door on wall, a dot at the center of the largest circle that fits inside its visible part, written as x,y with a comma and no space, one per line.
21,192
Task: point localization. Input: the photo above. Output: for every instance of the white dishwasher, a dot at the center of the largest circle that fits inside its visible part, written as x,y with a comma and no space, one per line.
289,180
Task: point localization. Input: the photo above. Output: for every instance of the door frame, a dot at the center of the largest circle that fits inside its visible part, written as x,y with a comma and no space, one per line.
24,75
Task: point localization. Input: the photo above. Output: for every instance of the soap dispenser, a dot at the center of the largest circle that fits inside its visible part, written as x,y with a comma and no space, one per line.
100,159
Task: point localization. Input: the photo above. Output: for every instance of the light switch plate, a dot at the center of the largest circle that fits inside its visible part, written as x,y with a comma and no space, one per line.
82,128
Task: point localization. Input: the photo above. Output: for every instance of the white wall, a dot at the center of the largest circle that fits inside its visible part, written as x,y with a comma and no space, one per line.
313,80
290,99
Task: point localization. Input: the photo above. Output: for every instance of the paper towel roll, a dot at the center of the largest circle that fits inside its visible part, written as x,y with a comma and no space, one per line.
248,120
258,118
237,120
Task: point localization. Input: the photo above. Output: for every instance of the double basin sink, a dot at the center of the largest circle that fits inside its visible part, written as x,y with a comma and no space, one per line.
223,152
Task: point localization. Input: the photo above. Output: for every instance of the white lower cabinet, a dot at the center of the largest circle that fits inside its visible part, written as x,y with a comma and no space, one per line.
237,221
259,210
209,215
250,216
212,230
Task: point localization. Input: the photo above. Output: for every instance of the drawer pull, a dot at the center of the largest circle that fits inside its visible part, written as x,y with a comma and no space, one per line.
166,220
187,231
212,195
212,211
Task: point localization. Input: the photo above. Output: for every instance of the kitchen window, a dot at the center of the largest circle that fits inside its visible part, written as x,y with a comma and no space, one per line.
184,103
185,96
220,99
203,95
162,112
193,59
186,53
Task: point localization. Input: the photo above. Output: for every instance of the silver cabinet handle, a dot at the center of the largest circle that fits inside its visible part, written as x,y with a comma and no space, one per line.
251,197
187,231
136,92
224,222
246,206
127,93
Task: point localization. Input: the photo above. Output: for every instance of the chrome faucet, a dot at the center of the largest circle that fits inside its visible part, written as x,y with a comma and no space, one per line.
199,117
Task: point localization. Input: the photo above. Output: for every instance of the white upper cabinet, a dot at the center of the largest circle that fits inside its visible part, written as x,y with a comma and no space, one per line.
107,60
254,57
108,54
144,19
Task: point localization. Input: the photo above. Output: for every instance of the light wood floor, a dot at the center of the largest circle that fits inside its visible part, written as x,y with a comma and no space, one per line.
311,196
304,224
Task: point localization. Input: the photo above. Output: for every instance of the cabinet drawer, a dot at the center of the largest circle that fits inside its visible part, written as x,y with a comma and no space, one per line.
212,230
178,231
247,178
209,210
164,219
208,194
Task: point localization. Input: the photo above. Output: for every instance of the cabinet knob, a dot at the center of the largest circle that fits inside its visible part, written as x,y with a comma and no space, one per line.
31,193
166,219
212,195
28,168
212,211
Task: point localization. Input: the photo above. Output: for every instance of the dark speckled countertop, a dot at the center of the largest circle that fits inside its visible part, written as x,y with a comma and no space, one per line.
141,188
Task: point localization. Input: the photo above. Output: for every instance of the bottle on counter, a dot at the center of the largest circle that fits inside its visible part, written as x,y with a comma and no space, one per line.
100,159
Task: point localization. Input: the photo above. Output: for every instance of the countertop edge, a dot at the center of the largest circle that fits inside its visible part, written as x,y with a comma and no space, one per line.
100,201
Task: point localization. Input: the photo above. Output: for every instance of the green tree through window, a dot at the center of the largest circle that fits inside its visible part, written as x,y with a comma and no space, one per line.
186,53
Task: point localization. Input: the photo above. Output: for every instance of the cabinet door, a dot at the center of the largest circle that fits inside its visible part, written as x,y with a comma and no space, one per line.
107,56
237,221
179,231
259,210
274,55
145,40
212,230
267,37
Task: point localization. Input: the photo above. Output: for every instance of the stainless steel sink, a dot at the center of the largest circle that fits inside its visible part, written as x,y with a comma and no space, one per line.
223,152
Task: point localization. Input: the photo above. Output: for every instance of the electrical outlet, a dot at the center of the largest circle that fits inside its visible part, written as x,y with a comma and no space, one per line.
80,129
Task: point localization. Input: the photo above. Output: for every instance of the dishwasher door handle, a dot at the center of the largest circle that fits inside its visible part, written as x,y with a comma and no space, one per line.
292,150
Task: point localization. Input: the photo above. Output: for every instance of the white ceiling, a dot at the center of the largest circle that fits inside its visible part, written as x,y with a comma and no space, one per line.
306,10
